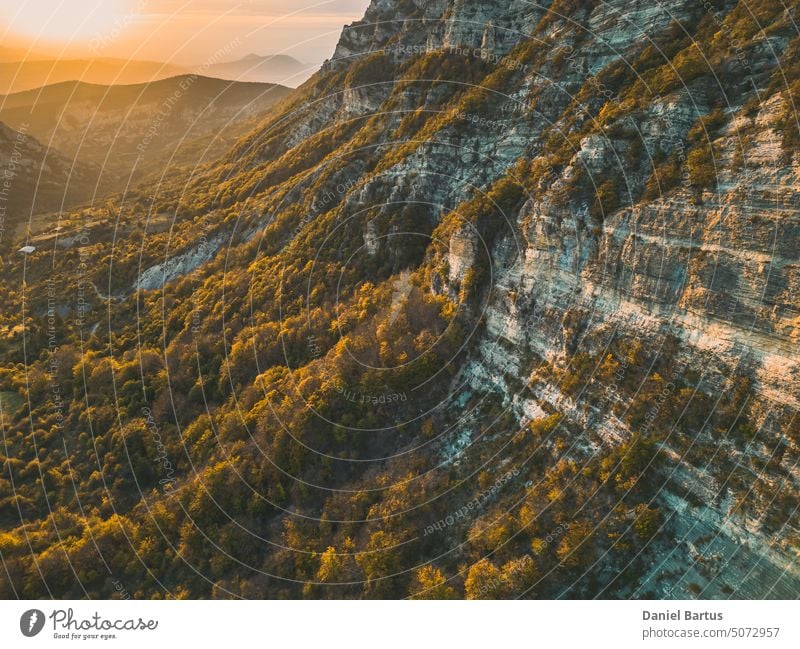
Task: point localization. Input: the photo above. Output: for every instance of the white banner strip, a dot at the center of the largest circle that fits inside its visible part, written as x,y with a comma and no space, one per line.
351,625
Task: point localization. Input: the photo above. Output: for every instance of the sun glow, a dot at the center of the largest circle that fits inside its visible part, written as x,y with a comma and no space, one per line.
74,21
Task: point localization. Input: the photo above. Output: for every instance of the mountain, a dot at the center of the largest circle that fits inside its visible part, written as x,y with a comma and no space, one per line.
32,72
501,303
21,72
275,68
132,130
36,179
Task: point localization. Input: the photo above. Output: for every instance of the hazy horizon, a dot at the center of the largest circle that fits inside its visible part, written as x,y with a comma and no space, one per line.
200,31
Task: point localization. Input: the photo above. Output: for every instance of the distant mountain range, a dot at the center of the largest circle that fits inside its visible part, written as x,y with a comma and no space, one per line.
130,131
22,71
278,68
16,76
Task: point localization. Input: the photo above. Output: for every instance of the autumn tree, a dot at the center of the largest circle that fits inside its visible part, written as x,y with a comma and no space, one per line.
430,583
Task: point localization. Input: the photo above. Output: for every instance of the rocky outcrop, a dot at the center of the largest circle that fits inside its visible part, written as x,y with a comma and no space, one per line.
462,255
178,265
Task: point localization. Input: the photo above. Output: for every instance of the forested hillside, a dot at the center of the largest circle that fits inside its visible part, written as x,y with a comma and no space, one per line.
502,302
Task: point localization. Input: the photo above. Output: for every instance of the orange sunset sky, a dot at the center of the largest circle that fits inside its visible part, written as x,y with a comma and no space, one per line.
175,31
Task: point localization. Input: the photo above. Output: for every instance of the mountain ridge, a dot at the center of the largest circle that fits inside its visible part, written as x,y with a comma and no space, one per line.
33,73
108,125
498,304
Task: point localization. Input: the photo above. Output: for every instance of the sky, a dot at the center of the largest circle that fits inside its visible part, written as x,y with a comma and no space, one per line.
185,32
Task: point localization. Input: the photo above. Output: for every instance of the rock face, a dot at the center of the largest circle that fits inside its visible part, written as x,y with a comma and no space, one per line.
707,257
371,241
657,211
178,265
462,254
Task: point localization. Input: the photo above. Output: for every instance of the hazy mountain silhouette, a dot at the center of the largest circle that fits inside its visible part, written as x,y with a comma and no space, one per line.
22,70
277,68
29,72
142,128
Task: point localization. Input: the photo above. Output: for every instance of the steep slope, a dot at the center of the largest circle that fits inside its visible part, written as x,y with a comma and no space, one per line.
501,303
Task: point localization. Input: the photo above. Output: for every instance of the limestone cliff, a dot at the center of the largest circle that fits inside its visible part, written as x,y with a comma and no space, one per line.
610,242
